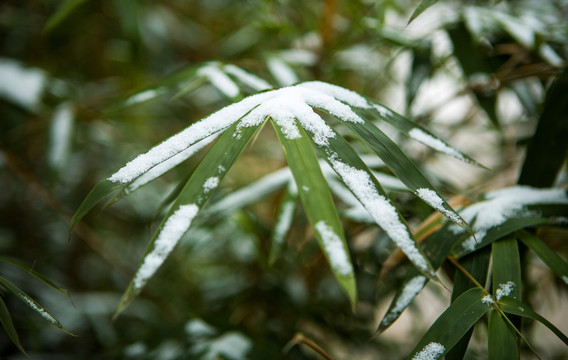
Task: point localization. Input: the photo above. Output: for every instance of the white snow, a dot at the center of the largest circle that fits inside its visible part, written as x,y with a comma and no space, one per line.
432,351
170,163
488,299
565,278
503,204
283,74
210,184
21,85
231,345
383,111
409,292
347,96
382,211
198,328
247,78
284,221
336,252
436,144
172,231
504,289
219,79
435,201
144,96
31,303
60,133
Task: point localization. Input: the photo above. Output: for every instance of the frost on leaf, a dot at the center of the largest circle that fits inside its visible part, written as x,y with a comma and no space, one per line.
432,351
174,228
382,211
502,205
335,250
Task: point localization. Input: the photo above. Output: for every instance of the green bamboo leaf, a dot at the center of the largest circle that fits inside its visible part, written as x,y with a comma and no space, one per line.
558,265
63,12
515,307
502,339
32,304
283,221
423,6
477,265
547,151
320,209
192,198
452,325
98,193
35,274
8,325
404,169
361,182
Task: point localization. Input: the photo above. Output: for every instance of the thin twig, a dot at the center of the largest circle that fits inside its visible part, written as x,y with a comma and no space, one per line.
300,338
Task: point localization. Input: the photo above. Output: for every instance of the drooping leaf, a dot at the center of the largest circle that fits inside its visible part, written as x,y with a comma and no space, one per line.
35,274
31,303
98,193
283,222
452,325
319,207
558,265
422,6
8,325
515,307
194,195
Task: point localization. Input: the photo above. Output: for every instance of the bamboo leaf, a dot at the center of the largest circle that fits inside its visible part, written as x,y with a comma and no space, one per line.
452,325
404,169
515,307
35,274
502,340
558,265
31,303
320,209
283,222
63,12
361,182
422,6
8,325
194,195
98,193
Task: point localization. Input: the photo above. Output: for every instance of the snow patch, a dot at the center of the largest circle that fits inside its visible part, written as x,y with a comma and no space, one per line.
32,304
247,78
23,86
347,96
565,278
505,289
435,201
171,233
432,351
210,184
61,130
219,79
488,299
283,73
284,221
144,96
383,111
409,292
380,208
335,250
436,144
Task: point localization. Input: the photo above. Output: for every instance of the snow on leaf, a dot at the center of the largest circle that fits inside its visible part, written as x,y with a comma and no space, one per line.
336,252
432,351
565,278
409,292
36,307
210,184
219,79
382,211
283,73
502,205
436,144
432,199
504,289
174,228
284,221
247,78
349,97
60,133
488,299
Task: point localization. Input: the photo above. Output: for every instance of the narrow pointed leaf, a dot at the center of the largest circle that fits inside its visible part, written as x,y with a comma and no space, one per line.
502,339
558,265
319,207
8,325
98,193
423,6
283,222
404,169
506,269
361,182
31,303
452,325
35,274
515,307
64,10
194,195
